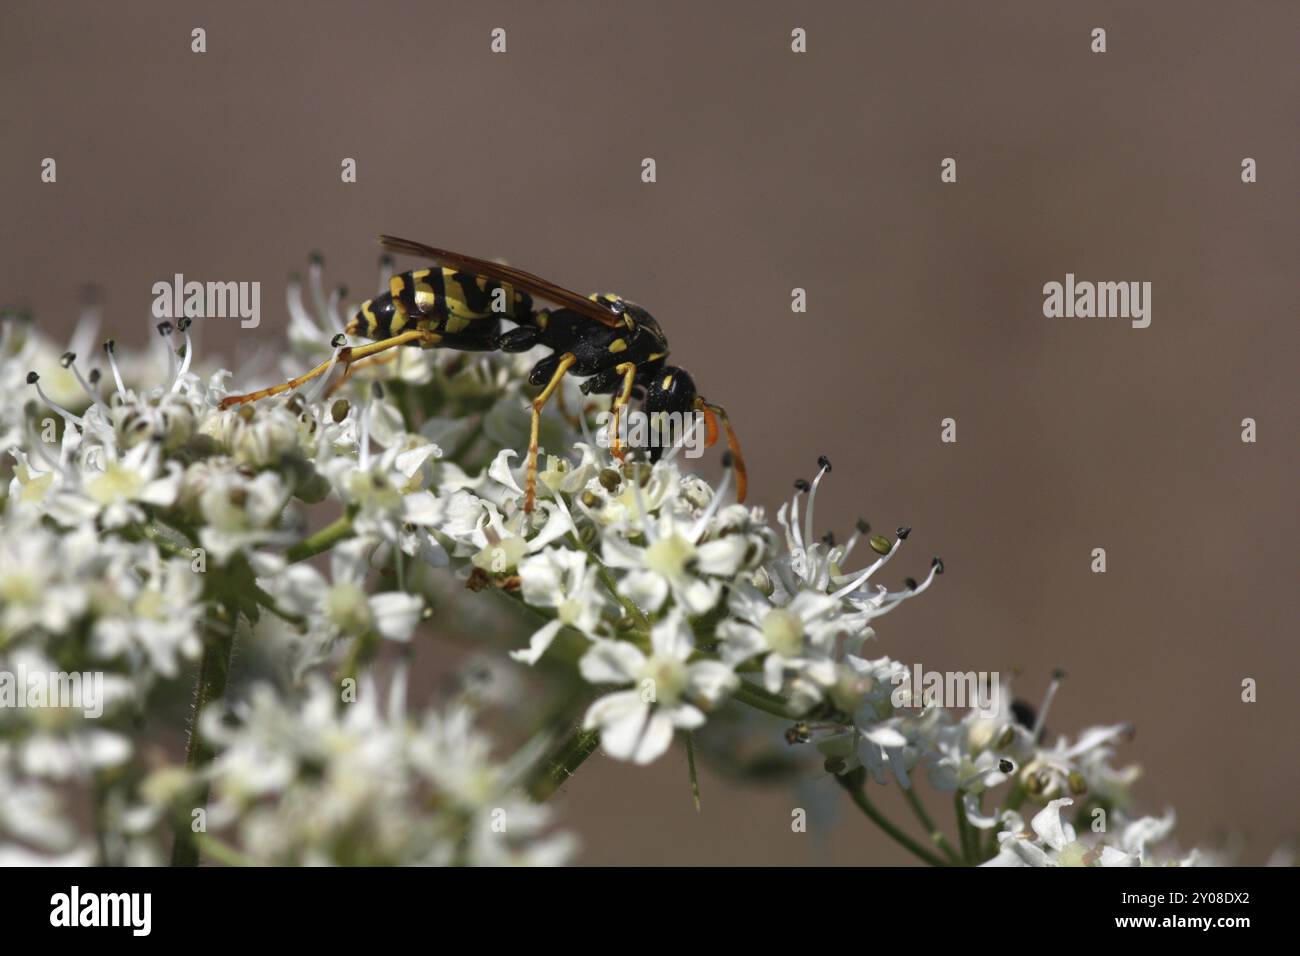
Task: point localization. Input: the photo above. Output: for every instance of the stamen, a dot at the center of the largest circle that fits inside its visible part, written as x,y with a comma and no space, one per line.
69,361
339,343
1057,677
715,502
824,466
859,529
165,330
880,562
913,590
651,533
800,486
315,272
297,310
34,379
34,441
184,325
109,348
332,308
696,424
363,441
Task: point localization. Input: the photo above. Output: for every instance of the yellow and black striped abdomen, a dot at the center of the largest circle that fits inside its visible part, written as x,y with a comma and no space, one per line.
438,300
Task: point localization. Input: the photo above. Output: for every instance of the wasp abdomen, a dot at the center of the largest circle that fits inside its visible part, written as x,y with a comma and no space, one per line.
439,300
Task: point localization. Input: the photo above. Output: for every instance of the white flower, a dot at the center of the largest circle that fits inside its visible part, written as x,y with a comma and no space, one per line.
676,560
669,692
155,622
239,511
341,607
796,641
561,579
39,587
113,489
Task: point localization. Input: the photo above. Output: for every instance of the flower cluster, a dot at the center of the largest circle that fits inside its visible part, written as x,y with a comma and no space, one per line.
145,531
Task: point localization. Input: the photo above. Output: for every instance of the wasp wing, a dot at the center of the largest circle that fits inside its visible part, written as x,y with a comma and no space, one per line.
525,281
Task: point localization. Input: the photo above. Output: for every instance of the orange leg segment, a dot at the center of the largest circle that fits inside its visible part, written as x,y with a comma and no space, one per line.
530,492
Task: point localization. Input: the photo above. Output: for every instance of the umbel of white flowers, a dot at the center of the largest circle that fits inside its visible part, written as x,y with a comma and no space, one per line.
144,532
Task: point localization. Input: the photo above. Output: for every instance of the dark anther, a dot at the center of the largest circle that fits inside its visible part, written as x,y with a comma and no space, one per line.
164,329
339,341
903,533
109,345
726,459
67,358
32,378
824,462
801,485
864,526
911,583
937,564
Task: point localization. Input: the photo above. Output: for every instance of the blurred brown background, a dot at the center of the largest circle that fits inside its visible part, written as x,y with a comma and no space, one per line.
778,170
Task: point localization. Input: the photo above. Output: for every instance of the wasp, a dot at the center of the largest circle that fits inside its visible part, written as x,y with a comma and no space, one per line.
614,345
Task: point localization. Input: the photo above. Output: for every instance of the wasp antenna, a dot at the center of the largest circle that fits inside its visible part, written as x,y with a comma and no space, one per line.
733,446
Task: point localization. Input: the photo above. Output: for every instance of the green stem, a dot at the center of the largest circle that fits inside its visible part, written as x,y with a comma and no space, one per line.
854,784
222,852
322,540
690,766
936,835
214,669
969,838
563,764
754,696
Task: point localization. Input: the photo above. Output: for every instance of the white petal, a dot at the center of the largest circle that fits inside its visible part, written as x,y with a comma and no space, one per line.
722,557
710,681
500,471
970,802
1051,827
396,614
644,589
884,736
611,662
421,508
740,641
672,637
537,644
628,728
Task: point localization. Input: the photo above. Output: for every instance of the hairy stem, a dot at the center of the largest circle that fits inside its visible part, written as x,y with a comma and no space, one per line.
936,835
563,763
214,669
322,540
969,837
854,783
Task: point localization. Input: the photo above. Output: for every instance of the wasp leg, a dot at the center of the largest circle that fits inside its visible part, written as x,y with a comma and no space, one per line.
347,356
353,366
565,362
733,443
628,371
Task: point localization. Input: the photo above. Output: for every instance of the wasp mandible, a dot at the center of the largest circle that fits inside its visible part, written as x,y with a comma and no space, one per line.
616,346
